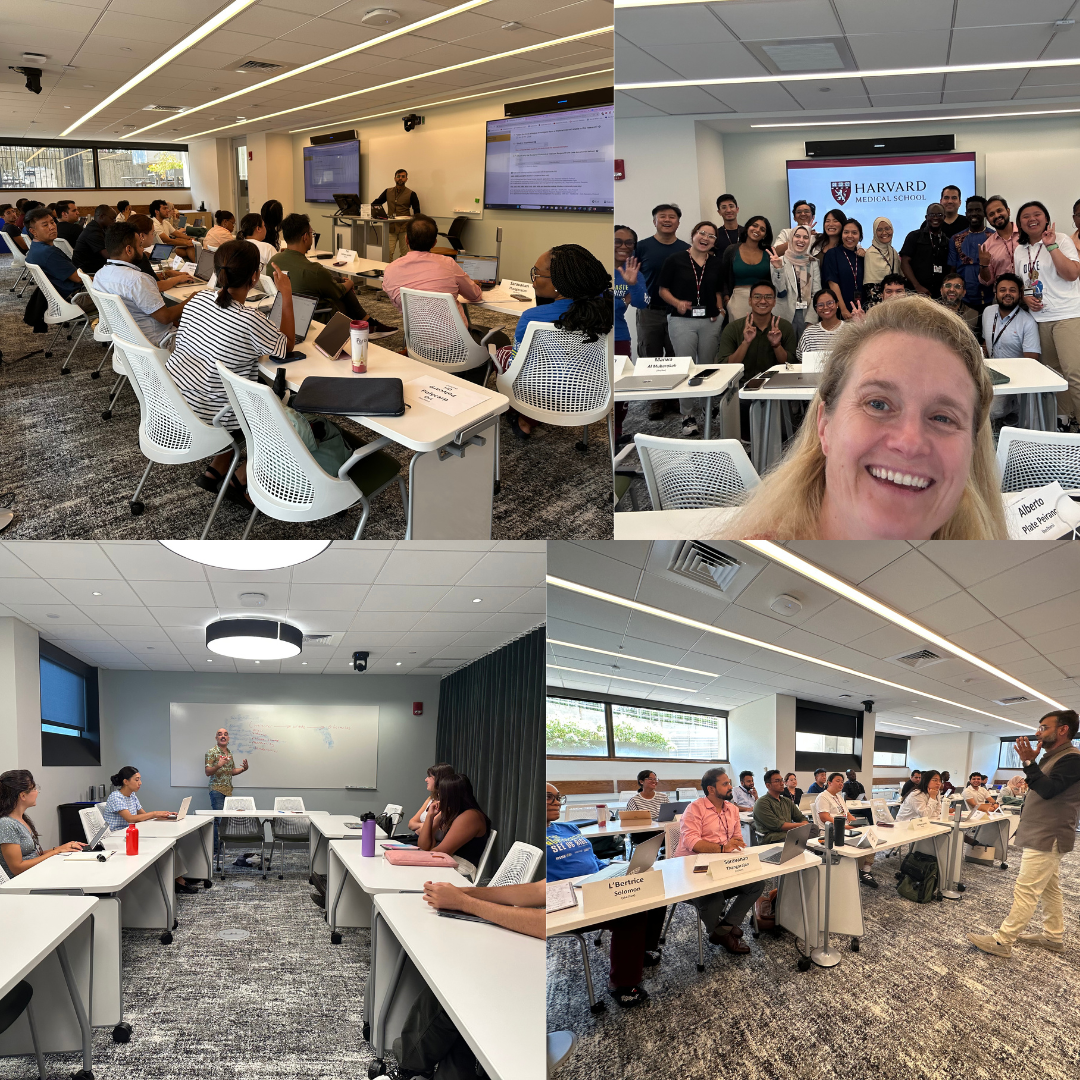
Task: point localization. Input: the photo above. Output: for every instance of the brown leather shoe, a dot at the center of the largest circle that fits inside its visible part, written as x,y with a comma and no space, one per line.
736,931
728,940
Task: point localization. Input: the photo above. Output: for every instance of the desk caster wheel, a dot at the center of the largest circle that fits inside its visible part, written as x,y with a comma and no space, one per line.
599,940
335,939
48,356
366,1031
176,923
122,1032
854,944
1004,866
207,883
107,414
376,1068
598,1008
95,374
755,934
581,448
804,963
700,967
82,1074
166,938
65,371
960,888
137,508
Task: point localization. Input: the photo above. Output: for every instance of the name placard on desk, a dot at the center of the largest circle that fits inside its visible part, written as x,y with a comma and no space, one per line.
919,823
663,365
734,862
622,890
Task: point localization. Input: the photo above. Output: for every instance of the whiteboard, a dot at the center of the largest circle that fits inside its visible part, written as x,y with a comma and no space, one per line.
288,745
1009,174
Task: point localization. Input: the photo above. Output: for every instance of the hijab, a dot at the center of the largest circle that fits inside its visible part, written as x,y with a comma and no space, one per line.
881,259
801,263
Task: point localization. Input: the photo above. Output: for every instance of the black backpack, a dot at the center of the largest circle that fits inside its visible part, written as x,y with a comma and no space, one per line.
919,878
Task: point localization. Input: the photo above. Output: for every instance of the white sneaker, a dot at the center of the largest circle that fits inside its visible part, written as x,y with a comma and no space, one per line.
689,427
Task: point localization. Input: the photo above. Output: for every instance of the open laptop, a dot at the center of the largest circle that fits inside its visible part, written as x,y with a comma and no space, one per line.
642,859
303,307
348,204
181,221
161,252
794,845
791,380
649,382
669,810
94,844
182,812
204,271
483,269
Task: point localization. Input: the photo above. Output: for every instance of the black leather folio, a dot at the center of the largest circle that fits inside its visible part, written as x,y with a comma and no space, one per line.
350,397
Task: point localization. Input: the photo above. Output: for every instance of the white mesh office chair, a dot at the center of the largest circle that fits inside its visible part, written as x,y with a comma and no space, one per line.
287,830
473,872
1029,459
242,830
60,313
559,378
122,328
689,475
18,260
519,865
284,480
64,246
436,333
102,332
169,432
92,821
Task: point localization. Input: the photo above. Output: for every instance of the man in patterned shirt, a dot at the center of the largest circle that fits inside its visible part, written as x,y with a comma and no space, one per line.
221,768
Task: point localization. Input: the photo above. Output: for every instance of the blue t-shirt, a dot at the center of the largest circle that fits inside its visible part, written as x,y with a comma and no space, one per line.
569,854
115,804
964,258
541,313
57,266
635,294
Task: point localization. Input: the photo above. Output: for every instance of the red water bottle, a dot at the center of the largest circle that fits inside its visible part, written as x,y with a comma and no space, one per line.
132,836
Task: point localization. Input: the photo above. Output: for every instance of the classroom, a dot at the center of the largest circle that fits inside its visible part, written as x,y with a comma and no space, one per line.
321,136
835,746
271,807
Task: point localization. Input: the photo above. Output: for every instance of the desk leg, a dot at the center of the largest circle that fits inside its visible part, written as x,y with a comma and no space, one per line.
331,915
80,1010
169,897
805,961
207,844
449,495
314,852
708,418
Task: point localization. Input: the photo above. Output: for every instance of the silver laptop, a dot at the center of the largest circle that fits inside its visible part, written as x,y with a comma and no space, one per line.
649,382
483,269
303,308
642,859
182,812
96,839
794,845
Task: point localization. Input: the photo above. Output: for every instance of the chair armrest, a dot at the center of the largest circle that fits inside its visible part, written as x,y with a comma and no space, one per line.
361,453
216,422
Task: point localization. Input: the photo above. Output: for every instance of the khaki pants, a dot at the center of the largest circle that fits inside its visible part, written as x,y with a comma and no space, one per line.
1061,351
1038,877
399,244
739,303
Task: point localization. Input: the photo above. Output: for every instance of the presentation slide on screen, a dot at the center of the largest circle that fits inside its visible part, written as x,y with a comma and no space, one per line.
331,170
897,188
554,161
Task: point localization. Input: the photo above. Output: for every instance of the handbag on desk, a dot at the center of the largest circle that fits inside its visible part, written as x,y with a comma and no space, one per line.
418,858
350,397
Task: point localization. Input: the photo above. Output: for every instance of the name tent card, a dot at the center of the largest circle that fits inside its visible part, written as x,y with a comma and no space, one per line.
1043,513
444,397
663,365
734,862
614,892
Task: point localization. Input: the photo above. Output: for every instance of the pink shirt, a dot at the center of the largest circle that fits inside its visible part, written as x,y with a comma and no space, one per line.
1001,255
429,273
702,821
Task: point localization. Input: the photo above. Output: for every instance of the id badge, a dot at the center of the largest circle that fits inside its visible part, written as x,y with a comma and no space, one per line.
939,270
801,305
697,313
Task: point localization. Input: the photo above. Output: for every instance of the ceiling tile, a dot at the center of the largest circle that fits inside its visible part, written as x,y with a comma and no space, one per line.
313,596
492,598
404,597
14,591
174,593
65,559
435,568
909,583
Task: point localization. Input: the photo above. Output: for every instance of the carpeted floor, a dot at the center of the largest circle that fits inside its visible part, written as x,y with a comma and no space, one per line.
71,474
916,1002
284,1004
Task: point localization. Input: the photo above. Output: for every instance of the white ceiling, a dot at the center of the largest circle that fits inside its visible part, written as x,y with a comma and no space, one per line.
106,42
722,40
1014,605
407,602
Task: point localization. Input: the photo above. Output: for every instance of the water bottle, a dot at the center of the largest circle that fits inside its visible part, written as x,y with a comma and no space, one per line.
1037,289
358,338
132,837
367,836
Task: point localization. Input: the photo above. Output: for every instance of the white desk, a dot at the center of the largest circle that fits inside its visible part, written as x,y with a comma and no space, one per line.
49,942
501,298
265,815
672,524
352,880
614,828
489,980
723,384
194,852
452,472
325,828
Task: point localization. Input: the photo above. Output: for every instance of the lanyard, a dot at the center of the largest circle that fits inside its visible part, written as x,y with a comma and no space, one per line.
854,269
1033,264
891,259
697,278
995,333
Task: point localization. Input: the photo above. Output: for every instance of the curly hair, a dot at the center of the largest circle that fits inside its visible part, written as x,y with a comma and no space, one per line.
580,276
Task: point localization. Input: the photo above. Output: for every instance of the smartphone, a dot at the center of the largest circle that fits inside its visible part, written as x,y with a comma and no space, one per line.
701,376
755,384
334,337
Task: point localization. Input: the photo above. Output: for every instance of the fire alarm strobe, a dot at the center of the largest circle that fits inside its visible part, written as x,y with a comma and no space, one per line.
418,708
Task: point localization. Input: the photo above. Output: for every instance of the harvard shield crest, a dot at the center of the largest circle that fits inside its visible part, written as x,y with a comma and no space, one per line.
841,189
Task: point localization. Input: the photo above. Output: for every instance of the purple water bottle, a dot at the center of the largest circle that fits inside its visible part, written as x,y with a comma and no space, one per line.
367,836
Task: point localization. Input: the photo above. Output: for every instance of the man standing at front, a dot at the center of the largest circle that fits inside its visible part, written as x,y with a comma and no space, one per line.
1047,830
221,768
399,201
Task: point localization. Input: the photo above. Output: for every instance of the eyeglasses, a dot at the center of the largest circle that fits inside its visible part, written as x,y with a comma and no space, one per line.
624,243
534,274
555,800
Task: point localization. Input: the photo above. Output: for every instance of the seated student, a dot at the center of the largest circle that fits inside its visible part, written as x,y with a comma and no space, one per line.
272,213
976,795
647,797
67,222
947,786
222,232
909,784
123,211
853,791
434,774
145,239
746,794
122,808
140,295
13,228
89,253
773,815
829,806
420,269
792,790
253,230
818,786
58,268
893,286
455,824
711,824
923,801
635,939
313,279
952,298
19,847
165,233
1014,791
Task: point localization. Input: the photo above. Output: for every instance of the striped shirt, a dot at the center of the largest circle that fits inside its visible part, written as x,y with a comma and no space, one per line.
815,338
639,802
237,336
115,804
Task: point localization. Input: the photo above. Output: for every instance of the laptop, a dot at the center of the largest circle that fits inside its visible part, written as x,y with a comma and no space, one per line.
794,845
182,812
181,221
650,382
792,380
348,204
669,810
642,859
161,252
303,307
483,269
94,843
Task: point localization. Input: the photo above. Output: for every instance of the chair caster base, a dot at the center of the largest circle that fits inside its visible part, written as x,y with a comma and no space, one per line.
581,447
48,356
854,944
700,967
281,877
207,884
107,414
1004,866
95,374
804,963
335,938
137,508
175,923
376,1068
122,1032
960,887
598,1008
166,938
65,371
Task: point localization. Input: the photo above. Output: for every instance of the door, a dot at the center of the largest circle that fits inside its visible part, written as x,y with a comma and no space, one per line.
241,159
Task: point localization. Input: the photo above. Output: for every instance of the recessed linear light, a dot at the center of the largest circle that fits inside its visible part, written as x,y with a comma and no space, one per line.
918,119
706,628
865,600
943,724
410,78
388,36
638,659
449,101
181,46
880,73
622,678
95,594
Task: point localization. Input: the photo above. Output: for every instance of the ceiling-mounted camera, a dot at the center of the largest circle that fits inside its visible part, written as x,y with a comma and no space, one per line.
868,705
33,78
412,121
359,661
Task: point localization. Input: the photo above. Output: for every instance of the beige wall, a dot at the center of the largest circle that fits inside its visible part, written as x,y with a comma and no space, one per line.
270,170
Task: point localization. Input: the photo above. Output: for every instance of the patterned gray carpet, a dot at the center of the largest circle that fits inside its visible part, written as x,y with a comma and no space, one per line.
72,474
916,1002
284,1004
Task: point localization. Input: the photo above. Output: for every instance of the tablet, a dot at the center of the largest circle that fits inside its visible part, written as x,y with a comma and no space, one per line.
334,337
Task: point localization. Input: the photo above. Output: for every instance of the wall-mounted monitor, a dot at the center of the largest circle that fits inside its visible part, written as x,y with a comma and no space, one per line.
333,169
552,161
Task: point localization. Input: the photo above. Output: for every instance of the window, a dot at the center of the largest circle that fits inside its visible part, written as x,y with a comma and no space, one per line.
576,728
125,167
69,708
29,168
890,750
63,700
1007,758
810,743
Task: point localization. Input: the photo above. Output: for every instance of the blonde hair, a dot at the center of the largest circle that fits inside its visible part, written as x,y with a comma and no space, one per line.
786,505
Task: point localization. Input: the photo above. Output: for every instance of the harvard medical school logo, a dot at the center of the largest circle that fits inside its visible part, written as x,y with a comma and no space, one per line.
841,189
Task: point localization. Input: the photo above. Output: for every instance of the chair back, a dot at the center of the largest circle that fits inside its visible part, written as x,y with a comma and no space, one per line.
671,837
519,865
290,828
4,879
557,377
18,258
1029,459
239,802
283,479
453,233
436,334
92,821
266,283
288,802
484,857
59,309
64,246
101,323
690,475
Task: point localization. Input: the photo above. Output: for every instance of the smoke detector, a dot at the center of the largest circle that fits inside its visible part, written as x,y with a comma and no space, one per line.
253,599
786,605
34,58
380,17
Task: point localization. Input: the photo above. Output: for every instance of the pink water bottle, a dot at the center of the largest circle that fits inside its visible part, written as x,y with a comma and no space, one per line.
358,338
132,837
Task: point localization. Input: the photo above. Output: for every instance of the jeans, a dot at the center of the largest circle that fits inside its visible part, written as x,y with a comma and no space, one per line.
217,802
699,338
1038,877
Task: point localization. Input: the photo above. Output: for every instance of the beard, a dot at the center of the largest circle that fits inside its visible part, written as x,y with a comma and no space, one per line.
1008,304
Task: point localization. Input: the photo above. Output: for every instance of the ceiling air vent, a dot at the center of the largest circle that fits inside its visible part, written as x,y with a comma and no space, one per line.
722,569
921,658
443,663
255,65
322,641
703,563
783,57
1018,700
164,108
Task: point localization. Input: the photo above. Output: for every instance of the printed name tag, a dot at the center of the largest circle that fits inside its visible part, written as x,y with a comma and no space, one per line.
624,890
938,270
735,862
697,313
801,305
920,823
663,365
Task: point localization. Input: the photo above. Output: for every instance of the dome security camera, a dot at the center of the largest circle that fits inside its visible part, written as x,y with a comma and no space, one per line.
868,706
359,661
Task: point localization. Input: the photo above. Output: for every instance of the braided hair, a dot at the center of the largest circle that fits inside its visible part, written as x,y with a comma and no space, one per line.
236,263
13,784
580,276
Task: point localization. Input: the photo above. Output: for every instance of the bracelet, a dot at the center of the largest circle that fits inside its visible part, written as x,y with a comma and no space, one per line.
1051,247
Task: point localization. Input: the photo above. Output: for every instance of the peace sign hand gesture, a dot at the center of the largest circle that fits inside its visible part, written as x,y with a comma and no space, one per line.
774,334
749,330
857,312
1049,235
774,259
984,255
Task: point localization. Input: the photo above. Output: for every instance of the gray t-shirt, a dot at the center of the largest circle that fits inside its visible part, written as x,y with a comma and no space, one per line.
15,832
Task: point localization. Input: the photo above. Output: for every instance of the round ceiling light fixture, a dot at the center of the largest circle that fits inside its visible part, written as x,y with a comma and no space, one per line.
247,554
380,17
254,639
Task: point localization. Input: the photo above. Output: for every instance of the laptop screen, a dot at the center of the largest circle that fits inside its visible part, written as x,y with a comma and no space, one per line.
204,269
303,309
161,252
480,267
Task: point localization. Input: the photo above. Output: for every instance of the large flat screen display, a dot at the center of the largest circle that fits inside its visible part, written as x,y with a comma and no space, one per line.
333,169
552,161
897,188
